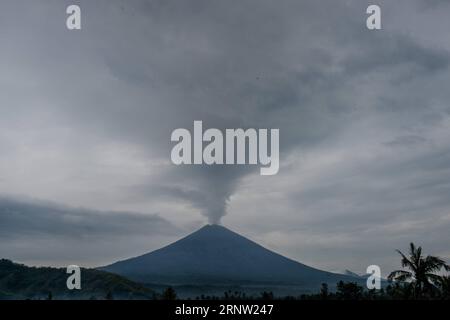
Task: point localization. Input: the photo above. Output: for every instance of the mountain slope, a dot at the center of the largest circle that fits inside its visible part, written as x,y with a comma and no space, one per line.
18,281
215,255
349,273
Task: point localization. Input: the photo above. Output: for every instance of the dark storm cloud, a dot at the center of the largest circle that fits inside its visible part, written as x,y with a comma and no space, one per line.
27,217
44,233
87,116
434,4
397,51
257,72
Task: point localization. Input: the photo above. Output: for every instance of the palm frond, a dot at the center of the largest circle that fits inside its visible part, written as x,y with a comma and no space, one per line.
400,275
435,279
416,254
432,264
406,262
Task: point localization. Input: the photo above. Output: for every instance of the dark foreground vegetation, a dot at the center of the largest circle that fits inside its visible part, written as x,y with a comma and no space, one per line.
423,278
419,281
18,281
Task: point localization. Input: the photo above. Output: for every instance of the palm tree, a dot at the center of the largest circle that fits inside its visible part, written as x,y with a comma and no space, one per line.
422,270
444,285
169,294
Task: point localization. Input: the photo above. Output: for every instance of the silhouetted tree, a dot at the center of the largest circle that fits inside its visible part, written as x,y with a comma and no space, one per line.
324,291
422,271
109,296
349,291
444,286
400,291
169,294
267,295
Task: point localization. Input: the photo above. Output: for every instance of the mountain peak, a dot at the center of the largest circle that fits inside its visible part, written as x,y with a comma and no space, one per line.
213,228
211,238
215,255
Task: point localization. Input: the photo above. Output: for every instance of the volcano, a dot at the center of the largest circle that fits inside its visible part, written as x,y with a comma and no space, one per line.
215,255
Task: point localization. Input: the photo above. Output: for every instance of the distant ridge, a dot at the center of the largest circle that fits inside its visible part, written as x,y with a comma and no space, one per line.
215,255
351,273
18,282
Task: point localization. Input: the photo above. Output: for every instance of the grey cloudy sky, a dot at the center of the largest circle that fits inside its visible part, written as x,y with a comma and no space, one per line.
86,118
